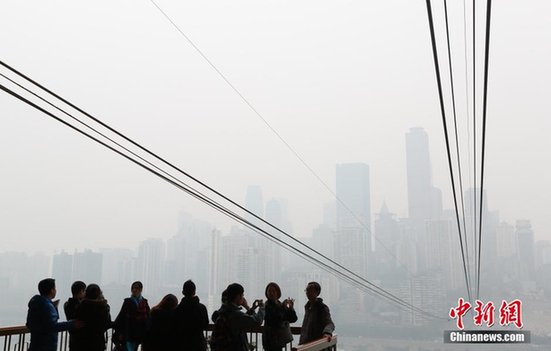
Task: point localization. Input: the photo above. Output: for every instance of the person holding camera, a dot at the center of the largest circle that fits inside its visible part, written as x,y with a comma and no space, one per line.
231,322
277,331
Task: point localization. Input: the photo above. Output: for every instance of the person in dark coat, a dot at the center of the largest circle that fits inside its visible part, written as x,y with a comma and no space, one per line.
317,321
132,320
277,314
161,329
191,320
42,318
78,289
215,314
93,310
238,321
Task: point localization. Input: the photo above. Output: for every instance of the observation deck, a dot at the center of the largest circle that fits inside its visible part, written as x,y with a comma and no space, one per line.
18,338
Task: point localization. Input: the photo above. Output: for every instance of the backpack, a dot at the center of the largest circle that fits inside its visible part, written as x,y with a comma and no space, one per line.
222,338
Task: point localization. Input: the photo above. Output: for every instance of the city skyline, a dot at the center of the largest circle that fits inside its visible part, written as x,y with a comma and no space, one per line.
336,89
214,257
164,279
369,130
422,171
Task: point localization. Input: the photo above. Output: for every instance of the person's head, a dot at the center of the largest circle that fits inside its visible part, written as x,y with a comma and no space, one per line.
168,302
46,287
77,289
136,288
313,289
235,293
272,292
189,289
93,292
224,296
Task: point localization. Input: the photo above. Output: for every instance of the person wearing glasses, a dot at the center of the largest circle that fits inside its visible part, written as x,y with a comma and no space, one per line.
317,321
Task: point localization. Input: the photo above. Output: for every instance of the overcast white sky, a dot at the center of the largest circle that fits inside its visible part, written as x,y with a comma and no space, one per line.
341,81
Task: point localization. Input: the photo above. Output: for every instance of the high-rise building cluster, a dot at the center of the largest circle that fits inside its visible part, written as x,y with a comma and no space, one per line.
417,257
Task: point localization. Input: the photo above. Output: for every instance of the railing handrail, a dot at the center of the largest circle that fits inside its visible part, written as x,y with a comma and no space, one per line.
259,329
16,330
21,329
318,345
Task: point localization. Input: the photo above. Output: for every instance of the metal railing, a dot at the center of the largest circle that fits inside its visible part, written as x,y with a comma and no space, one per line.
14,336
323,344
18,339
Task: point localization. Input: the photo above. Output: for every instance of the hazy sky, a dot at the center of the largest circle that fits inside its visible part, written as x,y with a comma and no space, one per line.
341,81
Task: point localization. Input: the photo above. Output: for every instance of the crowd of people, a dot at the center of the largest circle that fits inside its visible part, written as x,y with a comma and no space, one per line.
172,325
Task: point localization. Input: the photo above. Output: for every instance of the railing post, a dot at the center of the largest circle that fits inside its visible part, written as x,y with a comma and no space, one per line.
21,342
21,332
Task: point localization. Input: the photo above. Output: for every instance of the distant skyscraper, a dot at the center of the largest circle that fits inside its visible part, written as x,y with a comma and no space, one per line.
322,240
543,253
187,253
428,293
407,247
215,256
506,241
276,214
261,260
419,174
330,215
13,269
238,261
424,201
443,253
387,233
489,240
472,195
353,189
254,202
353,233
151,255
525,237
118,266
62,272
507,253
87,266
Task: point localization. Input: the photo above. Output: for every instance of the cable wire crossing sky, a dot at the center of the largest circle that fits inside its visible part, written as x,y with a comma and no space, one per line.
374,140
